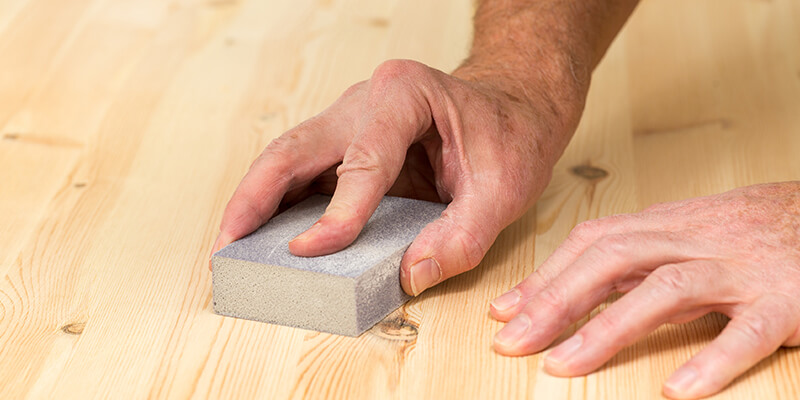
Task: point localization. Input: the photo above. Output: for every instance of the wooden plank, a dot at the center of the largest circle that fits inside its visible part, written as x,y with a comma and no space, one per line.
125,125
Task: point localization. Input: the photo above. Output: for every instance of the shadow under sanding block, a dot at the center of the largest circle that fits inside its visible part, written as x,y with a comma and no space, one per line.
346,293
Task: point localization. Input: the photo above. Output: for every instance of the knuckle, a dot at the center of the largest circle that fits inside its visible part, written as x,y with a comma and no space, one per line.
755,330
357,159
285,146
552,300
278,161
391,71
472,248
607,323
534,283
613,246
279,147
353,90
240,211
473,251
587,231
669,278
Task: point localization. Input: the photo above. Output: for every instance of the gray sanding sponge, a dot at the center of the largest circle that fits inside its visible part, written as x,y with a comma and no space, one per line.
345,293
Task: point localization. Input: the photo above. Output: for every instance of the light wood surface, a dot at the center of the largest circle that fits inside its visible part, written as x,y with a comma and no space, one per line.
125,125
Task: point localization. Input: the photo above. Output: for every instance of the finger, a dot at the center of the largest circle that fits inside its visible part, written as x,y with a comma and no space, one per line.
396,115
748,338
582,237
669,291
454,243
609,263
299,154
616,256
289,161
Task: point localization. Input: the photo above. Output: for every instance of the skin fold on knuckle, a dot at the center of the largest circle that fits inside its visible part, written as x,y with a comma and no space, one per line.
471,247
279,155
296,137
241,219
787,301
612,248
532,284
359,160
669,279
550,304
253,191
246,200
473,252
757,331
586,232
604,327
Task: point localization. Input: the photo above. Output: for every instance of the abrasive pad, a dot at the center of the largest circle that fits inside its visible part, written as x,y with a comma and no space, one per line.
346,293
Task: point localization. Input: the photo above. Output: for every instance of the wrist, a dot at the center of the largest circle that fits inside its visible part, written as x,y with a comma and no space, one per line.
558,76
550,88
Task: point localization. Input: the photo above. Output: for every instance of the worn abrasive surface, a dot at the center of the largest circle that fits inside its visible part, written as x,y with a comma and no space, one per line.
345,293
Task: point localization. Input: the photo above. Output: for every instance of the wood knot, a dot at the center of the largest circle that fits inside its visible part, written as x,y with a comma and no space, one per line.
396,328
589,172
268,115
11,136
222,3
75,328
378,22
79,185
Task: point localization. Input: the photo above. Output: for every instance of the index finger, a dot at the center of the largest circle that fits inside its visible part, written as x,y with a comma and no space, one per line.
290,161
396,114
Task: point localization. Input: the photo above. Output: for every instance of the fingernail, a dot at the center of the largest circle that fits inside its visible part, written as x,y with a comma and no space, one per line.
514,330
563,352
424,274
308,233
682,380
507,300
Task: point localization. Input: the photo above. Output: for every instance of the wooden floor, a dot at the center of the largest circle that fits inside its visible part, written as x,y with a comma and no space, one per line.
125,125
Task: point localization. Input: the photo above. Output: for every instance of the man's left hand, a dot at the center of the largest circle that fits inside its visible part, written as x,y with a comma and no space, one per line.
737,253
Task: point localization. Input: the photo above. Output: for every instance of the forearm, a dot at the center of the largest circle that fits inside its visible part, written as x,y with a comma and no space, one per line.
535,49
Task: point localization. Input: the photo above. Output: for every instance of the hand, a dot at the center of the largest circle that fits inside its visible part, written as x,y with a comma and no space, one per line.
417,132
737,253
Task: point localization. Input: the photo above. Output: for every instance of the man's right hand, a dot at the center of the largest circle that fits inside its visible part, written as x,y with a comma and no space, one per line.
414,131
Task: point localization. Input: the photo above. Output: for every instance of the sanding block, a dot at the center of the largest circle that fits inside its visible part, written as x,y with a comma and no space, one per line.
345,293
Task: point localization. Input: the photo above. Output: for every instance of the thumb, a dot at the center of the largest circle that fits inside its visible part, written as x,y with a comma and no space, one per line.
454,243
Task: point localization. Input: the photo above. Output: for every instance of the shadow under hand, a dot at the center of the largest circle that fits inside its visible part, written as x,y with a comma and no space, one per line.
683,341
515,241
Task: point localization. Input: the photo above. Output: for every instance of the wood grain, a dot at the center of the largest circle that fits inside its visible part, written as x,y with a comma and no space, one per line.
125,125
